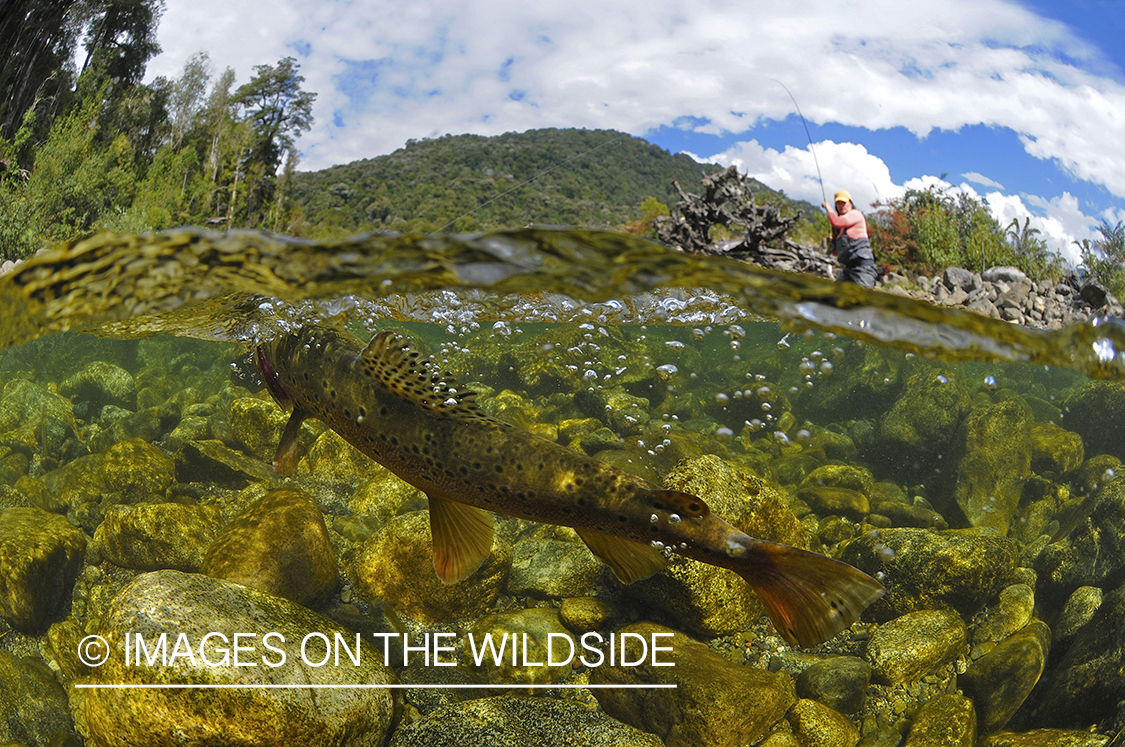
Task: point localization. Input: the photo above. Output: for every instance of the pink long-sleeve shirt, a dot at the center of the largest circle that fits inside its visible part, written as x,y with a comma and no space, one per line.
852,222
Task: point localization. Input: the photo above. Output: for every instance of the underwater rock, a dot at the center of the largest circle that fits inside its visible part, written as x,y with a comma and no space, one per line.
13,466
597,441
825,500
716,703
41,555
702,599
35,417
382,495
102,384
397,565
149,424
1055,449
913,645
1096,412
333,458
518,722
187,607
991,461
152,536
553,569
547,649
1088,682
33,705
1097,470
137,470
583,614
1000,681
946,721
1011,612
924,569
924,418
256,425
1077,611
867,381
858,479
839,682
1045,738
817,725
211,461
278,544
1093,551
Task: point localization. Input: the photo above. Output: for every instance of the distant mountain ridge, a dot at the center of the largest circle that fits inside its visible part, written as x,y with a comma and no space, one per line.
590,178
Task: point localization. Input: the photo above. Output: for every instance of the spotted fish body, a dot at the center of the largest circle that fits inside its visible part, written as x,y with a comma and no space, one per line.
422,425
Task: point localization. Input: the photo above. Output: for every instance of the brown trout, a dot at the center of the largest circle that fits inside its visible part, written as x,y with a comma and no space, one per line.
421,424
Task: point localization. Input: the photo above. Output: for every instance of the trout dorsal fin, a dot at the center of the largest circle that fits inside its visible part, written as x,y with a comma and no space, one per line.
462,538
631,561
389,362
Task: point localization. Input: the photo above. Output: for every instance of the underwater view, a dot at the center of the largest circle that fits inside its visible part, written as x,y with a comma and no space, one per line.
193,550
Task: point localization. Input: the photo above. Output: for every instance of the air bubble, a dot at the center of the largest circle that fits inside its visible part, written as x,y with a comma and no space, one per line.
667,372
726,435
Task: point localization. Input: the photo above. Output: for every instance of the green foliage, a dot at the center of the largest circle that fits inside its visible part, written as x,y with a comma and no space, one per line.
927,229
594,178
1104,257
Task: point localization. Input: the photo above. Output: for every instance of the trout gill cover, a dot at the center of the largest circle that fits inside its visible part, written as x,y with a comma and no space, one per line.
401,410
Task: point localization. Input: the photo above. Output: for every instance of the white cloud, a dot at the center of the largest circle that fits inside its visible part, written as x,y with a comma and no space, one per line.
389,70
976,178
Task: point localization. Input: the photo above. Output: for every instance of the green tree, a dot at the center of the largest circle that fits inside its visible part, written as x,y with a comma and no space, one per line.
188,92
278,111
1104,257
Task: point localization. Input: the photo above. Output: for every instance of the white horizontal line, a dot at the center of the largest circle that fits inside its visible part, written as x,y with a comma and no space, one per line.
231,686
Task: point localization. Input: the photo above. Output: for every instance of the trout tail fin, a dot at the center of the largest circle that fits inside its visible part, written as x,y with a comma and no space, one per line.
809,597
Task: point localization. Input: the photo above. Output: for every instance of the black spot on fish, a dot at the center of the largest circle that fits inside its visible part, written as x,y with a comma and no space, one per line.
581,501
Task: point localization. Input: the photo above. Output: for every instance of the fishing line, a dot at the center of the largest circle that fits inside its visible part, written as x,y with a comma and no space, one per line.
529,181
807,134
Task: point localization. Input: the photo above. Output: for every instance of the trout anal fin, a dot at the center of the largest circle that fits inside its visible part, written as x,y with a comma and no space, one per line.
462,538
288,447
631,561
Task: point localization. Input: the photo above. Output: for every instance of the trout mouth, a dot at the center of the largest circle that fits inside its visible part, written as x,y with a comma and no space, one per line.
269,377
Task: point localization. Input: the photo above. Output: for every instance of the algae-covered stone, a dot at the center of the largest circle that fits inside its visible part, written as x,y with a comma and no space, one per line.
1096,412
946,721
583,614
1000,681
817,725
256,425
188,607
716,703
839,682
915,644
40,556
211,461
1088,681
137,470
151,536
382,495
397,565
33,705
1011,612
1045,738
698,597
553,569
826,500
991,461
519,722
1097,471
1077,611
546,648
278,544
34,416
925,416
930,570
102,384
333,458
1055,449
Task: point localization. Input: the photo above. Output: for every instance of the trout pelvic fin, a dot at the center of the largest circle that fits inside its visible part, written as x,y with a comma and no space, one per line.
631,561
285,460
809,597
462,538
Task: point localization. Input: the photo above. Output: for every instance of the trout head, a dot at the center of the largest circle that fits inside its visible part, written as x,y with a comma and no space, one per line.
268,372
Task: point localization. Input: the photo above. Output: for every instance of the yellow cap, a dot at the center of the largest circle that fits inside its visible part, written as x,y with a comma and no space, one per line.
843,196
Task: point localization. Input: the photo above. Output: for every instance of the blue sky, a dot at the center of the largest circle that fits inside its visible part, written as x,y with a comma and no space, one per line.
1020,103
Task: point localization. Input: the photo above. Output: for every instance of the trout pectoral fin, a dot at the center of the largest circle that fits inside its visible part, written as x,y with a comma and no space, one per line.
462,538
630,561
285,460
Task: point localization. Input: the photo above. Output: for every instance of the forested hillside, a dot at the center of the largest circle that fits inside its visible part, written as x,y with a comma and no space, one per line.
595,178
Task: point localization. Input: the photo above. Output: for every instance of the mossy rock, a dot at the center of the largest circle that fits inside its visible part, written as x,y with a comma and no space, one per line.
40,556
152,536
